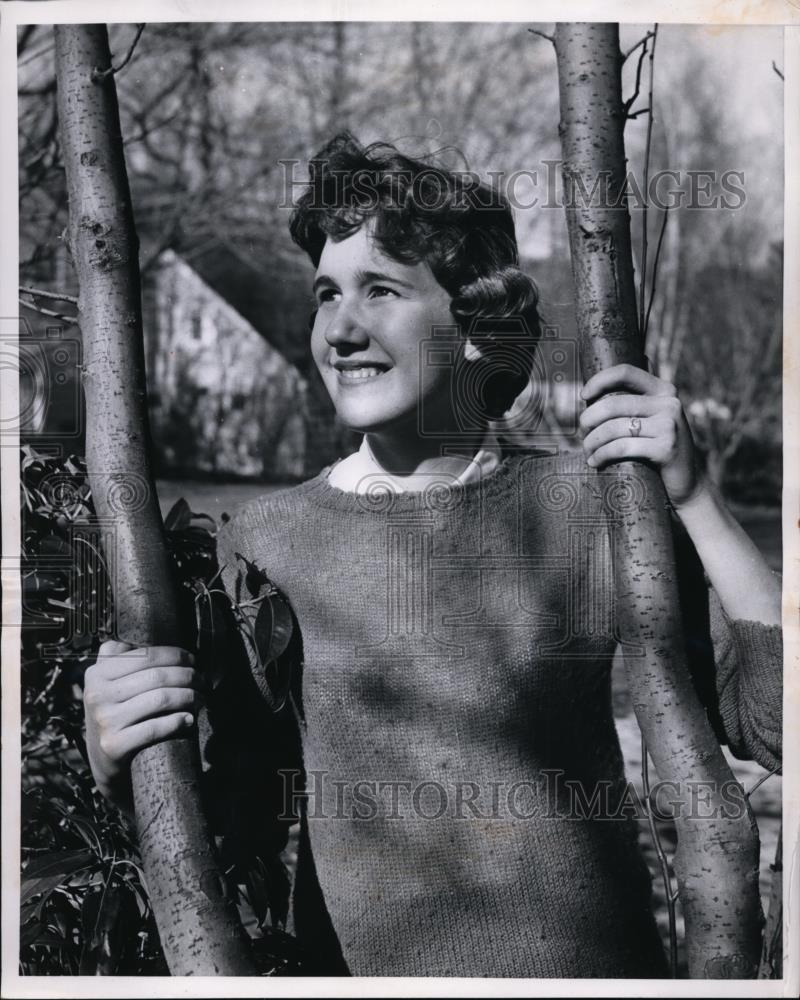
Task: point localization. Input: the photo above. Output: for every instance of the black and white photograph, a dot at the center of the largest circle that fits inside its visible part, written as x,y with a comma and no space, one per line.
399,498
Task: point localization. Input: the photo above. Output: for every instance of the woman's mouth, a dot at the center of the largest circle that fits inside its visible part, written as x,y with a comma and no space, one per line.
360,373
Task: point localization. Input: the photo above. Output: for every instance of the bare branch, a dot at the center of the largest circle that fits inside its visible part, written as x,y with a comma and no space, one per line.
47,88
35,55
655,273
642,41
662,861
777,70
631,100
24,38
40,293
542,34
636,114
69,320
646,178
98,75
761,781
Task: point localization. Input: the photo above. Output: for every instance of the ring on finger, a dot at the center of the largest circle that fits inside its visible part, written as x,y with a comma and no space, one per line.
635,426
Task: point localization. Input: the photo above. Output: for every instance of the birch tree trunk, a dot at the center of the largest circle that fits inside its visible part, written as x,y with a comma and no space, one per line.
199,927
716,861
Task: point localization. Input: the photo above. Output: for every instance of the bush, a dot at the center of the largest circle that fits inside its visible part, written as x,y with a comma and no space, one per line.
84,905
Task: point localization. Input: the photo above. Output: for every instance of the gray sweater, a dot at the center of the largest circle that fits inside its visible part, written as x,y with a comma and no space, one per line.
454,710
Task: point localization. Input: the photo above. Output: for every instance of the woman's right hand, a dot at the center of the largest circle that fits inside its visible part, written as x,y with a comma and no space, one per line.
135,697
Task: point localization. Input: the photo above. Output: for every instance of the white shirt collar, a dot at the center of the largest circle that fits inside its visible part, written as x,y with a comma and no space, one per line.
360,471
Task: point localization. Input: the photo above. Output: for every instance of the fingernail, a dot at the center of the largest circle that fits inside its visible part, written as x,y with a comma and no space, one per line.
188,720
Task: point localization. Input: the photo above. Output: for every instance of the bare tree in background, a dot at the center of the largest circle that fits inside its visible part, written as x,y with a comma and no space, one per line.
716,323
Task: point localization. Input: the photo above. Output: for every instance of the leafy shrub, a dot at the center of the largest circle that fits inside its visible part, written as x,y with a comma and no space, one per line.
84,904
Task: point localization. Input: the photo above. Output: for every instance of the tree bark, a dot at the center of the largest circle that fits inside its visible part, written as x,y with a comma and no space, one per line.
716,861
772,951
199,927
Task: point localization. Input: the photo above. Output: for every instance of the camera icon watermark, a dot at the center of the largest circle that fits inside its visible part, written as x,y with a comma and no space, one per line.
47,364
539,379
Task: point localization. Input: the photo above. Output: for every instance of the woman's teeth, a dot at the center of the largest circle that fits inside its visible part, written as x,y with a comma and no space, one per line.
360,373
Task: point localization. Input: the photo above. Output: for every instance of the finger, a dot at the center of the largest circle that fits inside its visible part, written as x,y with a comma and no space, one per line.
164,701
624,405
629,449
619,377
145,658
123,744
111,647
619,427
153,679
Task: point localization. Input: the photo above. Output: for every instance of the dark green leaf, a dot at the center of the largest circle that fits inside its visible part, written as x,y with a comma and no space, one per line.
263,632
281,627
51,869
255,578
41,583
179,517
54,545
32,887
33,933
213,634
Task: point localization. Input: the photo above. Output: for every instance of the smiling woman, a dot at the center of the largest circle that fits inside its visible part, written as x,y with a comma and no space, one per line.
373,316
406,254
463,802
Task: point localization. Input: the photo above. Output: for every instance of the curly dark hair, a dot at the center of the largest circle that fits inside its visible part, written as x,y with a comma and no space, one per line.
460,227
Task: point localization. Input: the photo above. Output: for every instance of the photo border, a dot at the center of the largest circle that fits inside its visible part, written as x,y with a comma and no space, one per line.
717,12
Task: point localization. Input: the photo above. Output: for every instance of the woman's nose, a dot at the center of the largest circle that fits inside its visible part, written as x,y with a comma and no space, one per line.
345,326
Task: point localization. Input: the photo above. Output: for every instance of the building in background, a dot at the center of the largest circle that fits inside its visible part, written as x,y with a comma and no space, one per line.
224,402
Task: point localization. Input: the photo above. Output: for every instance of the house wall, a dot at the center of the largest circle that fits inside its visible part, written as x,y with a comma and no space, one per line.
223,402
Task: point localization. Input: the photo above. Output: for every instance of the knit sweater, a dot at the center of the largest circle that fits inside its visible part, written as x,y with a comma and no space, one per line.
455,714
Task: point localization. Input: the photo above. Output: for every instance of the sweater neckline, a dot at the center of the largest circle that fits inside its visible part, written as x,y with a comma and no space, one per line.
440,496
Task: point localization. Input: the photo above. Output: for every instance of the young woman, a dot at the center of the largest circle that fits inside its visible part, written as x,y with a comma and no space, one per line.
456,616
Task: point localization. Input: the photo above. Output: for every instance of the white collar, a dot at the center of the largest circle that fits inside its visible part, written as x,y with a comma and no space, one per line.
360,472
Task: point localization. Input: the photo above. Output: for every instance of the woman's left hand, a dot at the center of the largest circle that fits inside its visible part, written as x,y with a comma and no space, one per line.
650,404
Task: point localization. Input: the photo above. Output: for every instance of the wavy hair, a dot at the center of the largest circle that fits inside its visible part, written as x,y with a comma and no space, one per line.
461,228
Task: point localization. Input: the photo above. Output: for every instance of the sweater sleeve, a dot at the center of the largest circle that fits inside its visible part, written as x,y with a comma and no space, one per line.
736,664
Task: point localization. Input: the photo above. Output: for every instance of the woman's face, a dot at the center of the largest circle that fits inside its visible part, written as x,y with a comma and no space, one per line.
373,315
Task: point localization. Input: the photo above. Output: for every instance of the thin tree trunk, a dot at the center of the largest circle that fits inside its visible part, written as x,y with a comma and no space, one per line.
772,951
199,927
716,861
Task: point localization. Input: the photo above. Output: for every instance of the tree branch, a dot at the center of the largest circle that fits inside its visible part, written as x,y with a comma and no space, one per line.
655,274
633,48
646,178
663,863
69,320
631,100
40,293
98,75
542,34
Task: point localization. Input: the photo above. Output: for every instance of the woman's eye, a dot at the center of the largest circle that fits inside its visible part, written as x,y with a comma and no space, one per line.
381,291
326,295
